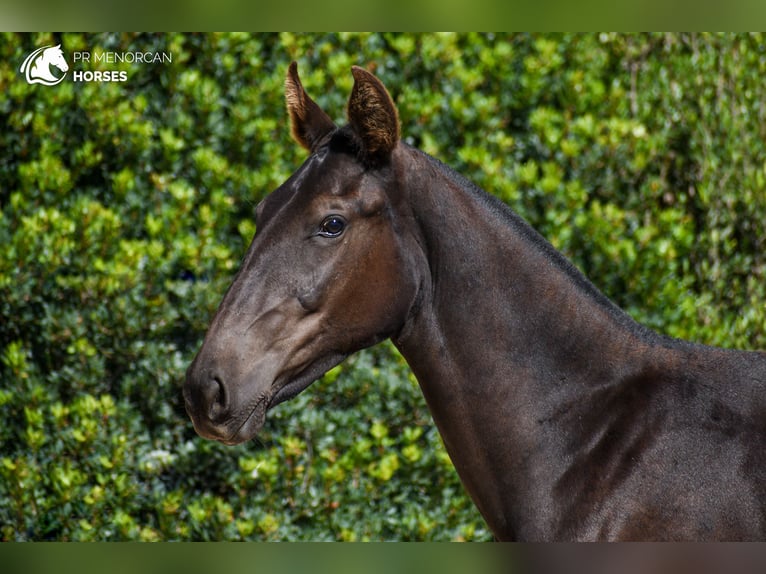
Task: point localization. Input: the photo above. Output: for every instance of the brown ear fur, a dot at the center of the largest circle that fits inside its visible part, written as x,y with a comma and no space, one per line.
372,114
309,123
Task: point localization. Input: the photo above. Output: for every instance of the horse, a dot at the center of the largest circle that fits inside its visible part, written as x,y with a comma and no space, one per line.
36,66
565,419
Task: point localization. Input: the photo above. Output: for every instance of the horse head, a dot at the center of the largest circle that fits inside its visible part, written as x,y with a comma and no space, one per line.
328,272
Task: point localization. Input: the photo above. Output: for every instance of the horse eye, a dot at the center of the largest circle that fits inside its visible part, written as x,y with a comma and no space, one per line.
332,226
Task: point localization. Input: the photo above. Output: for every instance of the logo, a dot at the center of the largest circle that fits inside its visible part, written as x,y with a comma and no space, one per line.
47,65
37,67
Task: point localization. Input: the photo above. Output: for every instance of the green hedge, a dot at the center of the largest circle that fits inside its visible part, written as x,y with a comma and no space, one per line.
125,208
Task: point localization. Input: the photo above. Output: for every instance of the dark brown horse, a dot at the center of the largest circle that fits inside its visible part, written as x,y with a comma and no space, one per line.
565,419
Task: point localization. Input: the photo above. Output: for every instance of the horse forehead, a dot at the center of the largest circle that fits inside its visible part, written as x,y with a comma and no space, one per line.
331,172
320,176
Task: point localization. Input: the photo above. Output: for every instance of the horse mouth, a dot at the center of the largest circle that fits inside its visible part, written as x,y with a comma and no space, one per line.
295,385
255,420
249,427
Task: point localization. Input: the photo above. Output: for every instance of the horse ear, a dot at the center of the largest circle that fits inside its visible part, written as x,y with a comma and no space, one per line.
372,114
309,123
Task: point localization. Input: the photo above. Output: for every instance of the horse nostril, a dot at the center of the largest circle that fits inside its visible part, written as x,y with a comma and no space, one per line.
216,397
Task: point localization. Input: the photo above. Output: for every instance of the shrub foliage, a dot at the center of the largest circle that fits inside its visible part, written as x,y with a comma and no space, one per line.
125,208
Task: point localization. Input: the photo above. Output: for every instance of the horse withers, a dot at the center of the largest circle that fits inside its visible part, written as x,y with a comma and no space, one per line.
565,419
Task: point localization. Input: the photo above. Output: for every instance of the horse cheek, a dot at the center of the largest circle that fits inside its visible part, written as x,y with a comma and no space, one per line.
383,290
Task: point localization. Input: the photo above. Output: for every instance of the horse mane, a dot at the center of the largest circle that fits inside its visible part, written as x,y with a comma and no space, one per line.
345,140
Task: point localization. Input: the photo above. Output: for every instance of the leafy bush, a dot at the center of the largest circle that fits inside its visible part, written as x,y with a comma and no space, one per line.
125,208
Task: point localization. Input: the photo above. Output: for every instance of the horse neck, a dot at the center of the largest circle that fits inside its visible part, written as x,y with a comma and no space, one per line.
494,277
507,332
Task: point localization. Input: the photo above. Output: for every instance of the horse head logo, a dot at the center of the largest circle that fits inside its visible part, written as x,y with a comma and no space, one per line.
37,66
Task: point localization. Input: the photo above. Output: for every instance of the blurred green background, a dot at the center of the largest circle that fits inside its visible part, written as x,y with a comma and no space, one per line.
381,15
125,208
